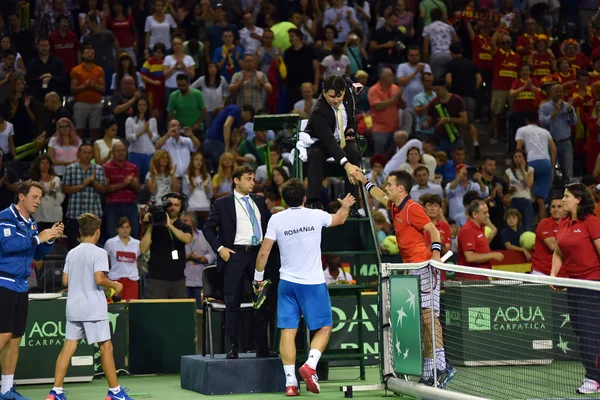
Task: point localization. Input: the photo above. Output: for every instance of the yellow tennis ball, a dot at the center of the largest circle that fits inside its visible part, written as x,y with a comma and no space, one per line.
527,240
390,245
402,29
488,232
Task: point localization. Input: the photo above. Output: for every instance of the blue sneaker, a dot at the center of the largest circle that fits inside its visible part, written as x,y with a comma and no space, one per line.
12,394
447,376
122,395
55,396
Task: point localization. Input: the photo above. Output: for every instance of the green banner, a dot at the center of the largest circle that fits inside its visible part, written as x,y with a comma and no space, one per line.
406,323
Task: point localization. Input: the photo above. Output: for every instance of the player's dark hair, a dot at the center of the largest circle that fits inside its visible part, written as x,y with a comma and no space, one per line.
430,198
403,179
469,197
474,207
420,168
240,171
335,83
88,224
293,192
586,200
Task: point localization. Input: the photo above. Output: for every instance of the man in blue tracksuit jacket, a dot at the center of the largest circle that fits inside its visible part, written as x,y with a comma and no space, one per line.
20,244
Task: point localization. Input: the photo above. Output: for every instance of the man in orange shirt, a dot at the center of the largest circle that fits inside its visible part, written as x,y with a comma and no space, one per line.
87,84
411,224
385,99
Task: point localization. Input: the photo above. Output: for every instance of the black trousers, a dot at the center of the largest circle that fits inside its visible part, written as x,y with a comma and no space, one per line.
584,310
239,272
317,155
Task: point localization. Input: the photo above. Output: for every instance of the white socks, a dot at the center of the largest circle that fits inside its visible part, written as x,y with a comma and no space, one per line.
313,358
115,390
58,390
8,381
440,358
290,375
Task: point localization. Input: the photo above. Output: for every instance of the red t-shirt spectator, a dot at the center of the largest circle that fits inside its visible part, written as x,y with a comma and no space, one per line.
506,65
116,174
541,65
482,53
576,242
409,219
123,30
526,100
471,237
526,42
65,48
579,61
541,260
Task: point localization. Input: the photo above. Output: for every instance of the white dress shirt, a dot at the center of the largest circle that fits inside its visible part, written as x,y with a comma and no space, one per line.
143,144
336,133
244,229
248,43
180,151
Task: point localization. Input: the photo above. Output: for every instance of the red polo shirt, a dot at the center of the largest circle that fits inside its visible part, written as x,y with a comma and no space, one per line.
65,48
506,65
541,65
525,41
471,237
116,174
576,242
482,53
526,100
409,219
541,260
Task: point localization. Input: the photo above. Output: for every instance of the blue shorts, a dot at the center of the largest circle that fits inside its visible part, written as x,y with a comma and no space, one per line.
543,177
312,301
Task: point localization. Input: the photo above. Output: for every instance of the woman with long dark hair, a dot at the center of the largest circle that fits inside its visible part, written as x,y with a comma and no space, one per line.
519,178
50,210
125,67
141,132
197,185
19,111
578,254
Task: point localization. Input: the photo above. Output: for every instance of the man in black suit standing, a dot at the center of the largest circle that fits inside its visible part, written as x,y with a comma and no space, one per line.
332,114
241,219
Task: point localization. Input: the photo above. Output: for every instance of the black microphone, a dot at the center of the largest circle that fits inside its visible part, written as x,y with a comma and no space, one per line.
353,85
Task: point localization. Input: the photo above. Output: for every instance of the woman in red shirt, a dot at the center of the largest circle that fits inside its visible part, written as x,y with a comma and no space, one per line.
526,93
565,75
542,59
578,254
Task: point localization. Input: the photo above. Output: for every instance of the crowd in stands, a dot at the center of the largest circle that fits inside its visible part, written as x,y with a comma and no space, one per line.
116,102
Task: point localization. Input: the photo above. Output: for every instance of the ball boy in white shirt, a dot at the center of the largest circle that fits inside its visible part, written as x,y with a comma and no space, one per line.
87,310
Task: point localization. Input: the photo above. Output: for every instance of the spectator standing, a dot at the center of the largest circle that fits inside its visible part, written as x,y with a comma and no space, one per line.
153,76
457,189
46,73
64,44
446,114
141,132
122,103
22,38
51,18
519,179
385,99
161,178
223,180
179,143
215,91
421,104
63,146
85,184
303,66
198,255
159,27
197,185
124,29
8,71
125,67
250,85
440,36
216,31
228,56
124,255
342,17
103,147
410,74
106,45
387,44
9,181
176,64
427,6
88,86
50,210
250,35
525,93
186,105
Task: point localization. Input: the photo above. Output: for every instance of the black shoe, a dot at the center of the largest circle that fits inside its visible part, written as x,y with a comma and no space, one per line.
354,213
267,354
233,353
428,382
477,153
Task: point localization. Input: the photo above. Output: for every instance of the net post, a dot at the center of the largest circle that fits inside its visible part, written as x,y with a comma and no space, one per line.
432,308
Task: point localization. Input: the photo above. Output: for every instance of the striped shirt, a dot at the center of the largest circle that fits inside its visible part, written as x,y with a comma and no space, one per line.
87,200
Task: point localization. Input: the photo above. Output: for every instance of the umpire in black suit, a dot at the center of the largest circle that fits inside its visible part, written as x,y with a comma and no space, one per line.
241,219
333,113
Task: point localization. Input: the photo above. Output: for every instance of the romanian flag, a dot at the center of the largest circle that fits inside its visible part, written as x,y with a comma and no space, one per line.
514,261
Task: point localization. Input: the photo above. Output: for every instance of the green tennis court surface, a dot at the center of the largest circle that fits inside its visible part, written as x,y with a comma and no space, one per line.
556,381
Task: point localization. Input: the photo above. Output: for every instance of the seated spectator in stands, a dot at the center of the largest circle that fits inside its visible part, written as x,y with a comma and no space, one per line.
253,152
357,55
362,102
400,140
123,184
497,188
88,86
228,56
125,67
433,205
124,257
141,132
334,273
7,140
46,73
473,246
280,177
177,64
197,185
462,218
103,147
180,143
305,105
421,103
8,71
409,75
448,169
161,179
122,103
50,19
424,185
7,46
215,91
9,181
198,255
249,85
153,76
511,233
400,158
22,37
383,228
186,105
413,160
335,63
219,136
385,99
456,189
50,210
376,175
56,111
222,180
264,173
84,183
63,147
64,44
519,178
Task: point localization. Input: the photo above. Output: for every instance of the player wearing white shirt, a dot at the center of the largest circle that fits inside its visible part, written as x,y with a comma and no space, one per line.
302,289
